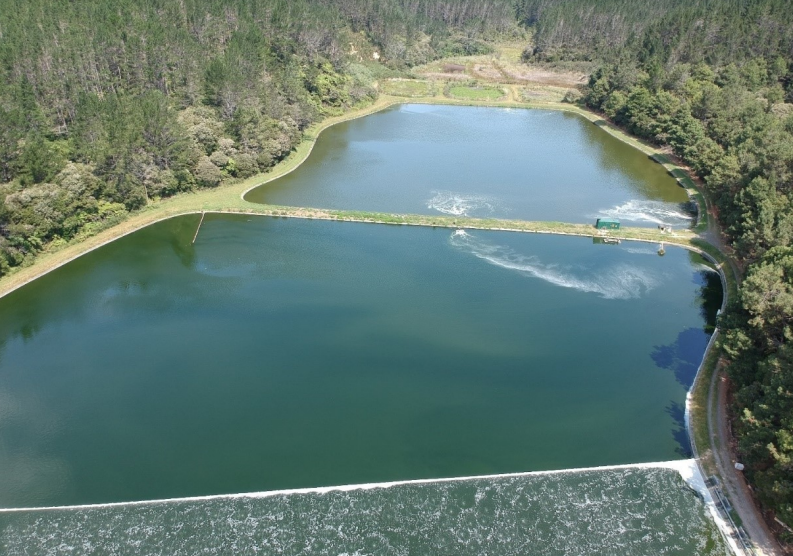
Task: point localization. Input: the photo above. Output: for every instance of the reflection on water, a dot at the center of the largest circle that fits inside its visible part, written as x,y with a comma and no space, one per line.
710,294
677,411
684,355
487,162
181,238
282,353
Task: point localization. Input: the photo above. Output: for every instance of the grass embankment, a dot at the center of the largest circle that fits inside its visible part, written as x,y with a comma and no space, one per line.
407,87
475,92
541,93
229,201
702,402
683,238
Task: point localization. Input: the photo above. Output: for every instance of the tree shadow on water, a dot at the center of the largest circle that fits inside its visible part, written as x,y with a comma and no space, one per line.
181,238
683,356
710,297
678,413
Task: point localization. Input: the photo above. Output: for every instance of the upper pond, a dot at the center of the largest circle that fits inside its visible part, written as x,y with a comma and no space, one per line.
281,353
486,162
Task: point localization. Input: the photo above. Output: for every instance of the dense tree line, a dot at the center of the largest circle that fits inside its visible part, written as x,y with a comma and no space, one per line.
718,32
713,80
105,106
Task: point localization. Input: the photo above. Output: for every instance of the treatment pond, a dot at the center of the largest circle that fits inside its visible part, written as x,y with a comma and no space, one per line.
483,162
280,353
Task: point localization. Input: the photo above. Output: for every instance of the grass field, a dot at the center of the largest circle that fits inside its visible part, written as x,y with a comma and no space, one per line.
546,93
407,88
466,92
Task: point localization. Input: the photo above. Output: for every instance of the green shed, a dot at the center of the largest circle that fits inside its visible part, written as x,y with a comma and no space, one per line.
607,224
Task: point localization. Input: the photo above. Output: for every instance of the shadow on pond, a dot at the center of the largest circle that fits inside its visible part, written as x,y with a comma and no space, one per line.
683,356
677,411
180,239
710,297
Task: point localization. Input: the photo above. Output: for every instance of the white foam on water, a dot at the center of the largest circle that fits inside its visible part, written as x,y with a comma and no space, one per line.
701,267
657,212
692,475
684,467
640,250
462,204
607,510
621,282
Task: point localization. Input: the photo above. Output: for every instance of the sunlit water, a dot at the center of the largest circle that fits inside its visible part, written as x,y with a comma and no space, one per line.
281,353
486,162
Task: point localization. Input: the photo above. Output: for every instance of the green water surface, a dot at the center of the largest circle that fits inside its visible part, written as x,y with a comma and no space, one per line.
281,353
487,162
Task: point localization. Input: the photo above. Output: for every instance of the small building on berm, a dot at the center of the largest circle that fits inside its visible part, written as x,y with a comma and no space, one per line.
607,224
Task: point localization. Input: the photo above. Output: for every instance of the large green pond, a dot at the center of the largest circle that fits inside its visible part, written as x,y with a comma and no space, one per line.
281,353
278,354
505,163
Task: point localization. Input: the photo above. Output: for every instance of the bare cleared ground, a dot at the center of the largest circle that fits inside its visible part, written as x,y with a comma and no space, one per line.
445,76
487,68
487,71
532,74
549,93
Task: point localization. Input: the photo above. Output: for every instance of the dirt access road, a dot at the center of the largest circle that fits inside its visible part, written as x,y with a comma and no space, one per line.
733,481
